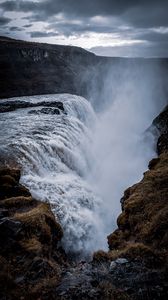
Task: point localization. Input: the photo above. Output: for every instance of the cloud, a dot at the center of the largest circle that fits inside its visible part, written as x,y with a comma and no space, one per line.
4,21
28,25
15,28
146,15
137,12
71,19
39,34
73,7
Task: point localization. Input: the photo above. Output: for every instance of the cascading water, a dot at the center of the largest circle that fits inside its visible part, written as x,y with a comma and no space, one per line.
55,157
80,162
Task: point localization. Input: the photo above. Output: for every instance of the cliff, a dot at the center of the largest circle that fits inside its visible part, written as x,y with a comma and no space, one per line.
28,68
32,68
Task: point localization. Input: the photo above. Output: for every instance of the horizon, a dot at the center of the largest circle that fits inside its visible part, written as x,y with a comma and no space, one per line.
111,28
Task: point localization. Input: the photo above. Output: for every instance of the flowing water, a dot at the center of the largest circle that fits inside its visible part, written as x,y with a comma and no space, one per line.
80,161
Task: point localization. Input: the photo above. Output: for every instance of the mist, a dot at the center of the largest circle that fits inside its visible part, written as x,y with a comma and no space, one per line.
130,98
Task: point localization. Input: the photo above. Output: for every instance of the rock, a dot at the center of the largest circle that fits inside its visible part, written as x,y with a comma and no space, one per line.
53,107
29,234
162,144
52,111
3,213
121,261
113,265
161,123
14,172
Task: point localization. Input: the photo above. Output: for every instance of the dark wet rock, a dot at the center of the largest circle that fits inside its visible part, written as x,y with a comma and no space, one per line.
53,107
161,123
3,213
51,111
162,144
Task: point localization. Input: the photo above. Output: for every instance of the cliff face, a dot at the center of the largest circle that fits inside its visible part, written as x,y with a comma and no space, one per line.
31,68
28,68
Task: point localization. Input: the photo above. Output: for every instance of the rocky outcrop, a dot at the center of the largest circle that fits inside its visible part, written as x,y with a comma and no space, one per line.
49,107
161,123
31,260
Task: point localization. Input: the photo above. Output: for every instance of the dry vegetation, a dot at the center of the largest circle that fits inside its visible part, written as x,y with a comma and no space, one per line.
29,256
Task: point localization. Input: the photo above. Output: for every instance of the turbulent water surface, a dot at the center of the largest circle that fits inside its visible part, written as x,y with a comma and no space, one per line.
80,161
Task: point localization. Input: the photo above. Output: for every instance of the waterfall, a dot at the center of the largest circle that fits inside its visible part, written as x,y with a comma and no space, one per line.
80,161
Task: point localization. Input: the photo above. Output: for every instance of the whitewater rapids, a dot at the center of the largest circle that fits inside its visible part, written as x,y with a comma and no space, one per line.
78,161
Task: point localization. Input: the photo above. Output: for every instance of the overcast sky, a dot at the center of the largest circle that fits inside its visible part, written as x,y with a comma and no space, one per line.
106,27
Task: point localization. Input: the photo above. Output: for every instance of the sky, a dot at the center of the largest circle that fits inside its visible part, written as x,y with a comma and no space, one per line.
128,28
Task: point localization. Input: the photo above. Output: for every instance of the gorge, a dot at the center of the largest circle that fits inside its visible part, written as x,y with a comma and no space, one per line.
79,156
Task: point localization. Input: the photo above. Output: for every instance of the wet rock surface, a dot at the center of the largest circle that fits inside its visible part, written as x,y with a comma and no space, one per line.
46,111
49,107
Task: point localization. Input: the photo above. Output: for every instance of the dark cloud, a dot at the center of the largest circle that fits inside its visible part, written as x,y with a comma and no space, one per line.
148,14
127,19
28,25
151,36
15,28
80,7
39,34
4,21
138,12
